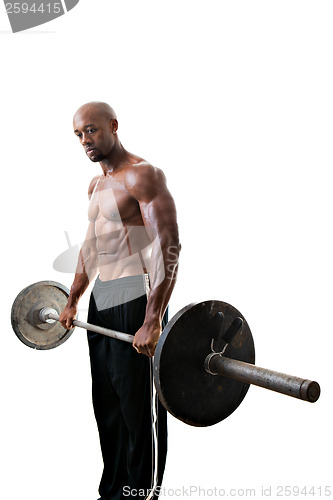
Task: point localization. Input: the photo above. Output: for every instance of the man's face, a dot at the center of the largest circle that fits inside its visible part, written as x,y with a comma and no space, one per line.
95,133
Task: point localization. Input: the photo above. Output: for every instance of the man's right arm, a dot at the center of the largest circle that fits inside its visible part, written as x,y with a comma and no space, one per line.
86,270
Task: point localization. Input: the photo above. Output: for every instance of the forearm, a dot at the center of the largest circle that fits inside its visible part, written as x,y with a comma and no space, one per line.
163,277
85,272
79,286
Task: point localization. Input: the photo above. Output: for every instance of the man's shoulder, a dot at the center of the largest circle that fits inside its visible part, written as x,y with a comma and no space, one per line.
92,185
143,181
143,171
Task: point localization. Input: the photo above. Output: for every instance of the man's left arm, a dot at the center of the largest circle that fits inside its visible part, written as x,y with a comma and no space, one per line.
147,185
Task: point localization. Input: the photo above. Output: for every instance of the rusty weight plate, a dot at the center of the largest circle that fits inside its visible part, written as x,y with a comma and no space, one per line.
25,315
184,387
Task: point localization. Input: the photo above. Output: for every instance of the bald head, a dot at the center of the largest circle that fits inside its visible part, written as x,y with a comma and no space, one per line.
100,109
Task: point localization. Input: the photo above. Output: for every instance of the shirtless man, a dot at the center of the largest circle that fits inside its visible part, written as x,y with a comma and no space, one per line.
132,242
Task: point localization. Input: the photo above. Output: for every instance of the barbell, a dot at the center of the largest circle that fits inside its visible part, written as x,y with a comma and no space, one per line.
203,362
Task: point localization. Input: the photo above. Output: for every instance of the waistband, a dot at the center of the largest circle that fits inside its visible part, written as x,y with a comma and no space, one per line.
139,280
108,294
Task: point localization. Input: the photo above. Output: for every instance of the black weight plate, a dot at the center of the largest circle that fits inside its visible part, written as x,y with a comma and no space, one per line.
184,387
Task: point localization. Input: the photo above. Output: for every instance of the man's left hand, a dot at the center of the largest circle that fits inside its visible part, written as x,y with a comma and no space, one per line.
146,338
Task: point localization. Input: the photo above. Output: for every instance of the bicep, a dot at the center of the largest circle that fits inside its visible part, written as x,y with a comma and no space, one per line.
147,185
159,215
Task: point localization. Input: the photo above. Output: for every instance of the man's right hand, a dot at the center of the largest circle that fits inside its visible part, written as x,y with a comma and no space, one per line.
67,317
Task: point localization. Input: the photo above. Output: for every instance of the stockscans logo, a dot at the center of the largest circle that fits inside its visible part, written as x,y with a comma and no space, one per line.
28,14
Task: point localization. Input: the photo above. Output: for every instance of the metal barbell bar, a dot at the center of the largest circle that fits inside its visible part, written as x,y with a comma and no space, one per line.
296,387
47,313
200,341
218,364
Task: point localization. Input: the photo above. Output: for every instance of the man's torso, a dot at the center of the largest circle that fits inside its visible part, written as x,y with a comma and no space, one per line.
122,243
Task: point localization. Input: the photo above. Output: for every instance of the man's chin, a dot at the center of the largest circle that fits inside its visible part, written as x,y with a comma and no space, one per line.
95,158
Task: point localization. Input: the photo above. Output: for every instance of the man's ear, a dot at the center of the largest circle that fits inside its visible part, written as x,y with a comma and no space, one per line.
114,125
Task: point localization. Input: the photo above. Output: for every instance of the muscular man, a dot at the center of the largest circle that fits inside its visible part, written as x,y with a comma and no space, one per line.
132,243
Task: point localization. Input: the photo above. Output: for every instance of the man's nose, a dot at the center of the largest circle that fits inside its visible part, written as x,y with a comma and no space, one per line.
86,139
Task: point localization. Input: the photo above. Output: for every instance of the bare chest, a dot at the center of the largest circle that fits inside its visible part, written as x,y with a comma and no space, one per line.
111,201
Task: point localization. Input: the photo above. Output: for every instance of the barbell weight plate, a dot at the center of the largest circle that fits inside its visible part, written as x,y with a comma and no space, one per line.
25,315
184,387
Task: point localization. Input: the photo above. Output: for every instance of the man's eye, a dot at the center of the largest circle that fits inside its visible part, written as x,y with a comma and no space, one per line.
91,130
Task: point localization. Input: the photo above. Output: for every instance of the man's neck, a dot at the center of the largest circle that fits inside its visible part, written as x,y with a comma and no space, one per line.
116,158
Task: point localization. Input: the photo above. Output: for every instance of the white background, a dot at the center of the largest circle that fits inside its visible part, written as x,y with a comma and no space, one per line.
233,100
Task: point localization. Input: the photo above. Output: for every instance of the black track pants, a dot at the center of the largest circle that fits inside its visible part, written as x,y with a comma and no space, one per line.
131,421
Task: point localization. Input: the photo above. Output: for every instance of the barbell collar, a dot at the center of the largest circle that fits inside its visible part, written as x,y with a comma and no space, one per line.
296,387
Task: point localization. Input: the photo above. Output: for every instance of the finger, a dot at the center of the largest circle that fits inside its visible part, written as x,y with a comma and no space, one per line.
151,350
141,349
144,350
136,348
154,349
69,324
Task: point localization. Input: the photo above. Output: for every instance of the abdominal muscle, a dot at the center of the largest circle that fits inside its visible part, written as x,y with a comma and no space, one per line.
121,250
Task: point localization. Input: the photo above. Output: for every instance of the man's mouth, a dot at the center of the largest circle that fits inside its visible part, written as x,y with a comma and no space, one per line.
90,150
